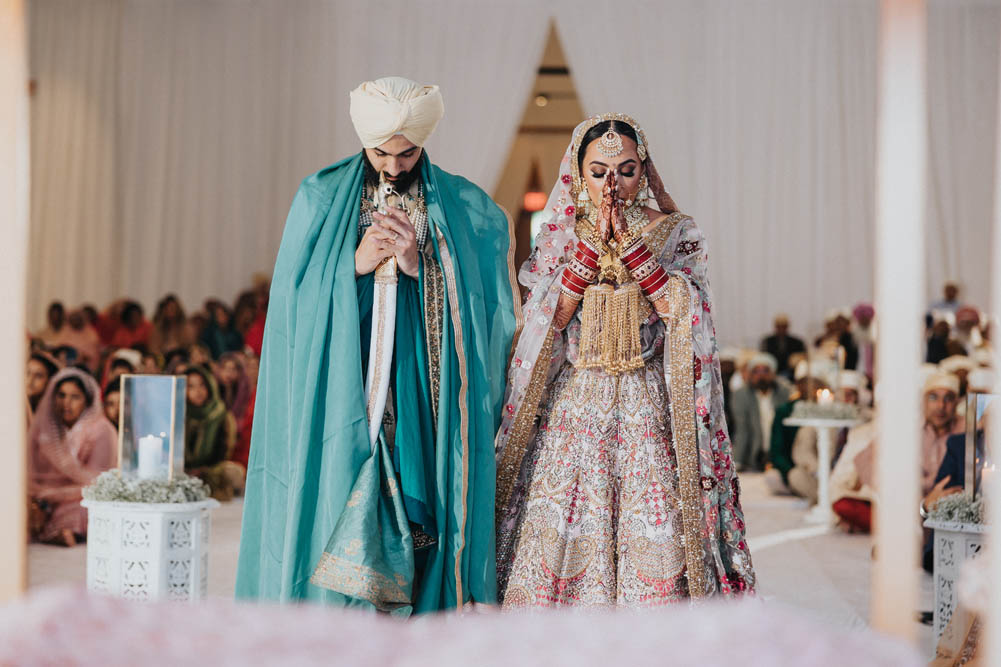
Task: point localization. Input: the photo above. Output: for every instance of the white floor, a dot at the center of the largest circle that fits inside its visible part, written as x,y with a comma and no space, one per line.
826,575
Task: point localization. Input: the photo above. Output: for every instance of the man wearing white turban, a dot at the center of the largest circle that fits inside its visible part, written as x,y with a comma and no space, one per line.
374,487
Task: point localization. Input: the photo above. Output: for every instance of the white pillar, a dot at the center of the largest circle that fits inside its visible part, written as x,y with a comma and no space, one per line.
14,230
992,626
901,177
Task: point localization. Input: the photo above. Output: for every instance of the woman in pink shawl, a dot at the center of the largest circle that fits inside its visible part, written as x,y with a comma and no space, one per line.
71,443
615,480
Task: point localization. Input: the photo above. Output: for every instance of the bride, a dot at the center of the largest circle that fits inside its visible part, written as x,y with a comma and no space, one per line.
615,482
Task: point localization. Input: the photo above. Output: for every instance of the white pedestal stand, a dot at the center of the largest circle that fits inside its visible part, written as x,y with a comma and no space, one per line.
822,513
149,551
955,543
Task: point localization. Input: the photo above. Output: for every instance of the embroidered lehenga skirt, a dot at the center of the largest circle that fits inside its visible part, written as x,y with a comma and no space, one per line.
601,524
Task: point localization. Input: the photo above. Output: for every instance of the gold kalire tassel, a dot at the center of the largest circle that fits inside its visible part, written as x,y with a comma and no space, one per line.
610,328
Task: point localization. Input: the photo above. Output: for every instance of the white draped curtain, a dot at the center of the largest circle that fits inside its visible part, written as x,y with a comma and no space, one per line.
761,120
963,43
169,135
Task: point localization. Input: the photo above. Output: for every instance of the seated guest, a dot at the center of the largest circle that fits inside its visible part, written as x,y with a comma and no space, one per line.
112,401
170,327
71,443
781,345
967,330
949,302
941,344
802,477
808,380
959,365
951,476
244,313
78,334
837,333
199,355
941,394
149,365
66,355
854,476
40,369
754,411
209,436
219,335
254,338
233,384
108,322
851,495
238,394
134,329
56,320
121,362
176,362
864,332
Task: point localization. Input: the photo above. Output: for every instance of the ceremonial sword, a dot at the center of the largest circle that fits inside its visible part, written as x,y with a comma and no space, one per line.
380,351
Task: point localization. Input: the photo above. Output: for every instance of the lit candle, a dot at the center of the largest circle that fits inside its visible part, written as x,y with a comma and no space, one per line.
150,456
986,478
825,397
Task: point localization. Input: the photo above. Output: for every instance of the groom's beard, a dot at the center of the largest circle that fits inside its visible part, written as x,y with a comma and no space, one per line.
403,180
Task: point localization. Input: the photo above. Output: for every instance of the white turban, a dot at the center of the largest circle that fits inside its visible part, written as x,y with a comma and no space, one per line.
393,105
763,359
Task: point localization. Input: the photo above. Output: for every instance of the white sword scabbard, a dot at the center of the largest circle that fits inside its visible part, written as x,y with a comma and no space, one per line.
380,351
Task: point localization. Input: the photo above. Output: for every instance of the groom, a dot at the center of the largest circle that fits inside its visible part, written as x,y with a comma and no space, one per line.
396,516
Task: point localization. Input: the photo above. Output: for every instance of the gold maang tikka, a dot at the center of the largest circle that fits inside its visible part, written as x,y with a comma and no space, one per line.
610,143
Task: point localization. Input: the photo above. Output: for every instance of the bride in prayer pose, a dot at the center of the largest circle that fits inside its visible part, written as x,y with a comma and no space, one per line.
615,483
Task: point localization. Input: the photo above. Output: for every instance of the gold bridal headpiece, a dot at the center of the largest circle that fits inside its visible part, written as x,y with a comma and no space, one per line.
609,144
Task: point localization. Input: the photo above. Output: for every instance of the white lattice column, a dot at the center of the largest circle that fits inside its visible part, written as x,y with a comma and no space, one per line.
149,551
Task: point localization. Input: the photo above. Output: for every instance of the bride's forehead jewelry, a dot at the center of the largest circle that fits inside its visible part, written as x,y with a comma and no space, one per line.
610,143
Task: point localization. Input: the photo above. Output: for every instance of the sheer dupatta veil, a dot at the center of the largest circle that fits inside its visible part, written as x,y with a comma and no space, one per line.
717,558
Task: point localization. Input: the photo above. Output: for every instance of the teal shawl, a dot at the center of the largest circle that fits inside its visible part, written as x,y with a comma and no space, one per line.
310,451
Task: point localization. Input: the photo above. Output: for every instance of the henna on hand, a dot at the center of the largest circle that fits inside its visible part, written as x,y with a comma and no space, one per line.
565,309
608,191
619,226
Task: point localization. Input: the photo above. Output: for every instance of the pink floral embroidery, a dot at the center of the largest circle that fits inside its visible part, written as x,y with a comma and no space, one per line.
566,179
695,319
570,210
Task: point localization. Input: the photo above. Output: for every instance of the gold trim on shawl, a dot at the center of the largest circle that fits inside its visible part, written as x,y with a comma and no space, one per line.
512,275
686,444
453,301
359,581
509,466
434,303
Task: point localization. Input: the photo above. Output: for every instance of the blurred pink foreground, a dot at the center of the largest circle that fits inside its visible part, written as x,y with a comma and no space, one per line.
67,626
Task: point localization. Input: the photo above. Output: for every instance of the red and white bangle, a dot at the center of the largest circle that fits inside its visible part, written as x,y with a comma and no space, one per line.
581,272
645,269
